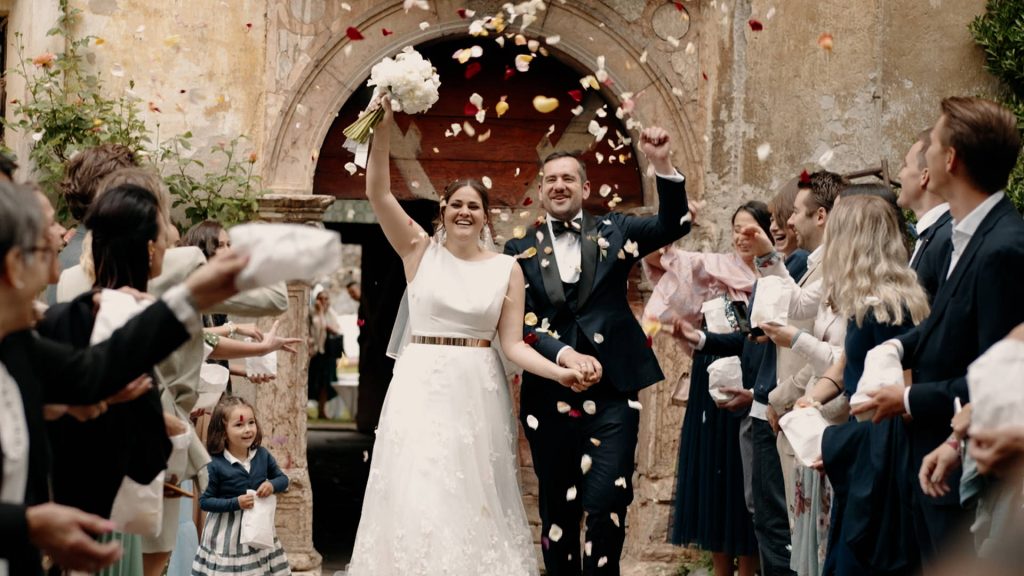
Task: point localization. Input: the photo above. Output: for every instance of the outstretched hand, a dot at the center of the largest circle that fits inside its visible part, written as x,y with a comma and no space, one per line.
762,245
272,342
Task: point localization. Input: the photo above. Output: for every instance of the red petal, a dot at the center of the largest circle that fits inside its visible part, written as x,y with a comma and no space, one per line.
470,109
679,6
650,341
574,413
353,33
461,12
472,69
545,542
531,338
805,178
248,25
576,95
705,75
755,25
360,322
527,201
509,72
386,31
515,379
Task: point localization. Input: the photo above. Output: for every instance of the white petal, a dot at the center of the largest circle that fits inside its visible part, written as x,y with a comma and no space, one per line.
588,547
763,151
555,533
615,519
598,338
552,40
605,190
635,405
563,408
620,482
602,561
595,441
350,168
590,407
570,494
487,182
532,421
585,463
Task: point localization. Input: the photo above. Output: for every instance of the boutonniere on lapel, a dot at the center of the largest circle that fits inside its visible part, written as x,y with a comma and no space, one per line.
602,243
630,247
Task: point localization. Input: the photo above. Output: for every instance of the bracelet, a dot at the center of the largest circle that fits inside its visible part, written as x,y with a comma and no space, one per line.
834,383
767,260
792,342
232,329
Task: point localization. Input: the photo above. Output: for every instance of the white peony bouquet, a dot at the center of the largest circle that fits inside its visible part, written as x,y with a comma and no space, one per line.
408,79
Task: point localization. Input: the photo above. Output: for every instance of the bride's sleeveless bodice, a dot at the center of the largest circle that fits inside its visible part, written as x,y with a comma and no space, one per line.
454,297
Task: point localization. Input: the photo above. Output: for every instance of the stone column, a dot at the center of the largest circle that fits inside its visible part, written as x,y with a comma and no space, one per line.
281,403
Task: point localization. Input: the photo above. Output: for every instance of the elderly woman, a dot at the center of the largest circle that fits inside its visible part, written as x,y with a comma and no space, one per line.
34,371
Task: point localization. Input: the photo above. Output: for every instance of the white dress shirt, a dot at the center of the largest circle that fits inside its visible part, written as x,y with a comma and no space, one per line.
927,220
14,445
568,251
247,463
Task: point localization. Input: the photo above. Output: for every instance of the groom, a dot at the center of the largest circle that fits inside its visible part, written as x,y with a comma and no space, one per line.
583,439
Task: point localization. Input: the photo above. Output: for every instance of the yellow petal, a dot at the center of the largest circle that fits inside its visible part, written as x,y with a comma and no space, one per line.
543,104
528,253
501,108
530,319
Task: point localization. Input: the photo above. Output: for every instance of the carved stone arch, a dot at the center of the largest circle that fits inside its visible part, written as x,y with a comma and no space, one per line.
587,30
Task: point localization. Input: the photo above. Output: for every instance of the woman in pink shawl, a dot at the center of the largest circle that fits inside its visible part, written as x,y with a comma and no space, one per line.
699,288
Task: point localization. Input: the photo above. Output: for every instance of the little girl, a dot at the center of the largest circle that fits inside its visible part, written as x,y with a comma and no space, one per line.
239,464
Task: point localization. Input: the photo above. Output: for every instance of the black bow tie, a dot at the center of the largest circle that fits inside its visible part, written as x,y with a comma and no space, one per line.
560,227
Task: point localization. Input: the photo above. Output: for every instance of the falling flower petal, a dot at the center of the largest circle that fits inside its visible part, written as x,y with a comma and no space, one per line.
530,319
532,421
509,72
570,494
605,190
421,4
563,407
598,338
350,168
552,40
576,95
353,33
763,151
620,482
585,463
486,135
424,25
590,407
555,533
386,32
755,25
366,456
469,109
523,62
472,69
615,519
543,104
602,561
486,180
501,107
526,254
531,338
825,41
595,442
635,405
519,232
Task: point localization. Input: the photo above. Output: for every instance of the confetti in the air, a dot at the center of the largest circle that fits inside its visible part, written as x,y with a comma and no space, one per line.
532,421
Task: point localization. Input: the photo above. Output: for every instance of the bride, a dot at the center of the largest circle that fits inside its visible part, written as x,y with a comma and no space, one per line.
442,496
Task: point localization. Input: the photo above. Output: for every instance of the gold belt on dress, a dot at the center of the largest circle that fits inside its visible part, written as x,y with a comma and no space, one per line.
451,341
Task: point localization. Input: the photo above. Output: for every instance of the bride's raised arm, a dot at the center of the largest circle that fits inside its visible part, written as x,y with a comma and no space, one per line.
404,234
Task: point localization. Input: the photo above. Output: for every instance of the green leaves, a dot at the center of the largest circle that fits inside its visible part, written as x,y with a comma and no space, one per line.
1000,33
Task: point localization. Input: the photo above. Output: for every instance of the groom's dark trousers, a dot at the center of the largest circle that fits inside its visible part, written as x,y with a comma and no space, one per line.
593,317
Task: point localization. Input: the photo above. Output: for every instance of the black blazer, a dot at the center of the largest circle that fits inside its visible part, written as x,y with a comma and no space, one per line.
974,308
133,434
932,260
51,373
601,306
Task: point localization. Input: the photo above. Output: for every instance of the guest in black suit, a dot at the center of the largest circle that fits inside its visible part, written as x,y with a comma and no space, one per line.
576,265
973,147
34,371
934,223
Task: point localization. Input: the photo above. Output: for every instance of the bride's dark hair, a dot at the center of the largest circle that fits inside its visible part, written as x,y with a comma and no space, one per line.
454,187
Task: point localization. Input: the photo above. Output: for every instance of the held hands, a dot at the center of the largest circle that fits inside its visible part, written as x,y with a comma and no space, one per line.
588,367
654,142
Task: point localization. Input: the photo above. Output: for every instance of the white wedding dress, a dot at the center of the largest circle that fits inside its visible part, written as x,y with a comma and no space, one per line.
442,496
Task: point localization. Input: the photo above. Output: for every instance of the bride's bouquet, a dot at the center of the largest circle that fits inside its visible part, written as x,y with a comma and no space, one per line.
409,80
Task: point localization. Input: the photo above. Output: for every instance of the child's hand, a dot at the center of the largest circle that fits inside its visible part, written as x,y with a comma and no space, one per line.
246,501
265,489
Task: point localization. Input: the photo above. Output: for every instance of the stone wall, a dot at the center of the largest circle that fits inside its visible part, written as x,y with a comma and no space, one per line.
279,70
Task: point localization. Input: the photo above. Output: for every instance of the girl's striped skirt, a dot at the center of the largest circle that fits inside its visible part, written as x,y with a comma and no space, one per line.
222,553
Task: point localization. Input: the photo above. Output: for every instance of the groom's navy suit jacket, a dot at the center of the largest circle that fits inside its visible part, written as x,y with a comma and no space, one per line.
597,305
973,309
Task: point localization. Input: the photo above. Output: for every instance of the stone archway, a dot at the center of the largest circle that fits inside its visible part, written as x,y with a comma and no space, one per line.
641,56
588,30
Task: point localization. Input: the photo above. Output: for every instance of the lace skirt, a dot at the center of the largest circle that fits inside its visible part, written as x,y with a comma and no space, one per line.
443,496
